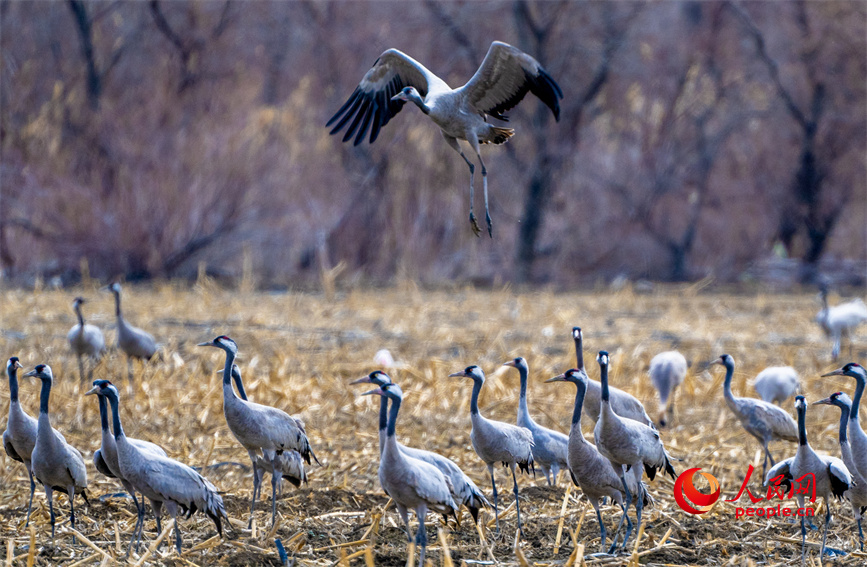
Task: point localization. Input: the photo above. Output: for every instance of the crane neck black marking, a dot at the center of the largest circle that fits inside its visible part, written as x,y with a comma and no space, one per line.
383,413
579,402
240,385
579,352
80,316
392,418
522,400
117,304
13,383
103,413
474,400
603,378
44,395
802,425
860,382
844,422
227,370
115,415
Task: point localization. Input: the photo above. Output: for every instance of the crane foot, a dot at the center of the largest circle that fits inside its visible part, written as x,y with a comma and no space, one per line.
474,225
490,226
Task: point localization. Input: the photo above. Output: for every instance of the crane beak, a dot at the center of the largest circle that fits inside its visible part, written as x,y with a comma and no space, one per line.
838,372
825,402
362,380
458,374
558,378
717,361
399,96
31,373
510,363
93,390
377,392
16,364
209,343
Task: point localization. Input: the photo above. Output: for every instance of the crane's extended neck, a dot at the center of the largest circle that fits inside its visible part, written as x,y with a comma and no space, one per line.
727,385
103,413
474,400
236,376
603,378
802,425
844,422
44,395
12,372
860,382
80,316
579,404
523,411
419,102
392,417
579,350
115,417
117,304
227,372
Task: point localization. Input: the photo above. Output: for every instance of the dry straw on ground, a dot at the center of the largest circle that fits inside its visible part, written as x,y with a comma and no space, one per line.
299,352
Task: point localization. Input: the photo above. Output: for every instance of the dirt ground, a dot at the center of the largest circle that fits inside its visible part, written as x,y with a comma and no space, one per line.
299,351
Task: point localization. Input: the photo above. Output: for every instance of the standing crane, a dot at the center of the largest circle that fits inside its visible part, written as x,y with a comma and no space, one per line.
160,479
857,436
259,428
840,320
134,342
594,474
624,404
411,483
105,460
56,464
549,446
857,494
498,442
506,75
20,435
763,420
465,490
289,464
667,371
776,384
85,340
627,443
830,475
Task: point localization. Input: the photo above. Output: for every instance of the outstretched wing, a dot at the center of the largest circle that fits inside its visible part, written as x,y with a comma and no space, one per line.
370,105
507,74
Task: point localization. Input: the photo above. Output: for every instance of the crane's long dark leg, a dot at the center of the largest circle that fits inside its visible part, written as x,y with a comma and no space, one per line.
421,534
256,483
625,517
860,533
453,142
276,475
81,367
517,500
628,502
825,533
601,526
485,190
404,515
494,486
49,497
803,531
158,512
32,490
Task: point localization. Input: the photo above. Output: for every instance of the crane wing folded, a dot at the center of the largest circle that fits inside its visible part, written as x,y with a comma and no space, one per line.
370,105
505,77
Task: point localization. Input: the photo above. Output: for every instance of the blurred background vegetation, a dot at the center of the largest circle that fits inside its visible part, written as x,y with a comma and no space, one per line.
697,139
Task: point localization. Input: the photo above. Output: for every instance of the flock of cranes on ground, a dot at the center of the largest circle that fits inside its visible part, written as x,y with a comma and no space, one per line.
627,441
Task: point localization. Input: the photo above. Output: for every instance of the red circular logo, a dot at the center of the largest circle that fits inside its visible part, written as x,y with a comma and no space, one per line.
689,498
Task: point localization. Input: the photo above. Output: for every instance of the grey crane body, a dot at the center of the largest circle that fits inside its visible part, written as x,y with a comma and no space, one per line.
623,403
667,371
549,446
505,76
106,462
85,340
20,434
857,493
776,384
163,481
497,442
465,490
289,464
840,320
56,464
259,428
134,342
857,436
628,443
411,483
596,475
831,477
763,420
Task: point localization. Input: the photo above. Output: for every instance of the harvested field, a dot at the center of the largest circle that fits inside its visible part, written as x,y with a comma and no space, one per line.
298,351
